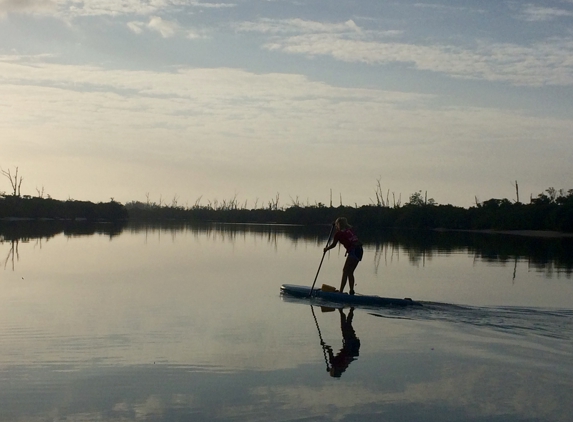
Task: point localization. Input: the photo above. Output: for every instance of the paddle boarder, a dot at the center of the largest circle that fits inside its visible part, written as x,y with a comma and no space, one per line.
345,235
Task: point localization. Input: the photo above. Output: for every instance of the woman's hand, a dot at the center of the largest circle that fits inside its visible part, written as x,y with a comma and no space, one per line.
332,245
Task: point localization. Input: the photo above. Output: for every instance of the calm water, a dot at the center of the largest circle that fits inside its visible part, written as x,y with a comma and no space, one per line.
187,324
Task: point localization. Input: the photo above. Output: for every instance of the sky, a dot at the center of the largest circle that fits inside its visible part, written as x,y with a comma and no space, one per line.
196,102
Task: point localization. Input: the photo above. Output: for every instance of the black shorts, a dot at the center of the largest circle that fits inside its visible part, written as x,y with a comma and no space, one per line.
356,252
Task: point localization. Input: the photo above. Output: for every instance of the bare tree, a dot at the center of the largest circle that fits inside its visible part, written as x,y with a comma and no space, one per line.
274,203
295,201
15,181
40,192
198,202
516,192
379,194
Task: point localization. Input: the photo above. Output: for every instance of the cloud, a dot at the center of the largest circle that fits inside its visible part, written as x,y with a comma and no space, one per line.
442,7
533,13
207,95
76,8
26,6
275,26
194,35
165,28
301,26
136,27
542,63
212,5
69,9
207,123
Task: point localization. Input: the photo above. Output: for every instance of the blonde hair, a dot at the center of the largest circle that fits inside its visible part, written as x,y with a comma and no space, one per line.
342,223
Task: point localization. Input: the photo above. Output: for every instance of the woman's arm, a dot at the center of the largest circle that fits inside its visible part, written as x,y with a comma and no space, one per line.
332,245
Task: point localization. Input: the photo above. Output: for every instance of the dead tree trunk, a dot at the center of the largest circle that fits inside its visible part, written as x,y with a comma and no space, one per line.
15,181
517,191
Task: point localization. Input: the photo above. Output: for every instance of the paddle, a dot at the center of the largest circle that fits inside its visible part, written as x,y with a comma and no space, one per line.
322,259
322,343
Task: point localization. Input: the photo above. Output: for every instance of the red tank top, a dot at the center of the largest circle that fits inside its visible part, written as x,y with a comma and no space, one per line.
347,238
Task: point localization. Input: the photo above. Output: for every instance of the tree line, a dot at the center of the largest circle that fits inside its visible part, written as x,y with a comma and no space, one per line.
35,208
550,210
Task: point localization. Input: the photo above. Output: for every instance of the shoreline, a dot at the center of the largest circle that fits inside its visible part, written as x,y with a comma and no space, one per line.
546,234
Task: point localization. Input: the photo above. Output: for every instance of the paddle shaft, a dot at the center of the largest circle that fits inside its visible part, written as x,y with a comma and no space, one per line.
322,259
322,343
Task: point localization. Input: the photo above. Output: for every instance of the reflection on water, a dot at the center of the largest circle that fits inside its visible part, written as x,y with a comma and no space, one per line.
446,362
544,254
337,364
185,322
548,255
16,232
26,231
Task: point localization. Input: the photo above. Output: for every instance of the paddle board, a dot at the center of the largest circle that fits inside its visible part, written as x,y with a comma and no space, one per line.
344,298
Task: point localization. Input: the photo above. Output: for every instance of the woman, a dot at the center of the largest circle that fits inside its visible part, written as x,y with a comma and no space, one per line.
345,235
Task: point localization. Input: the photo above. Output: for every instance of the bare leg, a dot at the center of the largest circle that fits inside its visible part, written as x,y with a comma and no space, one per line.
348,273
351,282
343,281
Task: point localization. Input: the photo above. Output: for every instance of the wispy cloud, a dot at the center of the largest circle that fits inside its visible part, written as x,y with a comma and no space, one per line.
447,8
68,9
533,13
286,26
26,6
165,28
136,27
347,29
541,63
212,5
189,117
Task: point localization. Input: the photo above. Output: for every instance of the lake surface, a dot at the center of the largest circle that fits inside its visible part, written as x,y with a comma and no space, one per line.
186,323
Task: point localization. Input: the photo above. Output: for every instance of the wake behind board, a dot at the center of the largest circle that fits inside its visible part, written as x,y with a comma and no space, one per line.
336,297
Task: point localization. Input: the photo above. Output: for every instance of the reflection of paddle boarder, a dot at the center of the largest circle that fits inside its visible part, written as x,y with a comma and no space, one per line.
336,365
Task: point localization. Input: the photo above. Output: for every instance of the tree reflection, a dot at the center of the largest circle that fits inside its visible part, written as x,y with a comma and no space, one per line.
13,254
550,255
14,232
